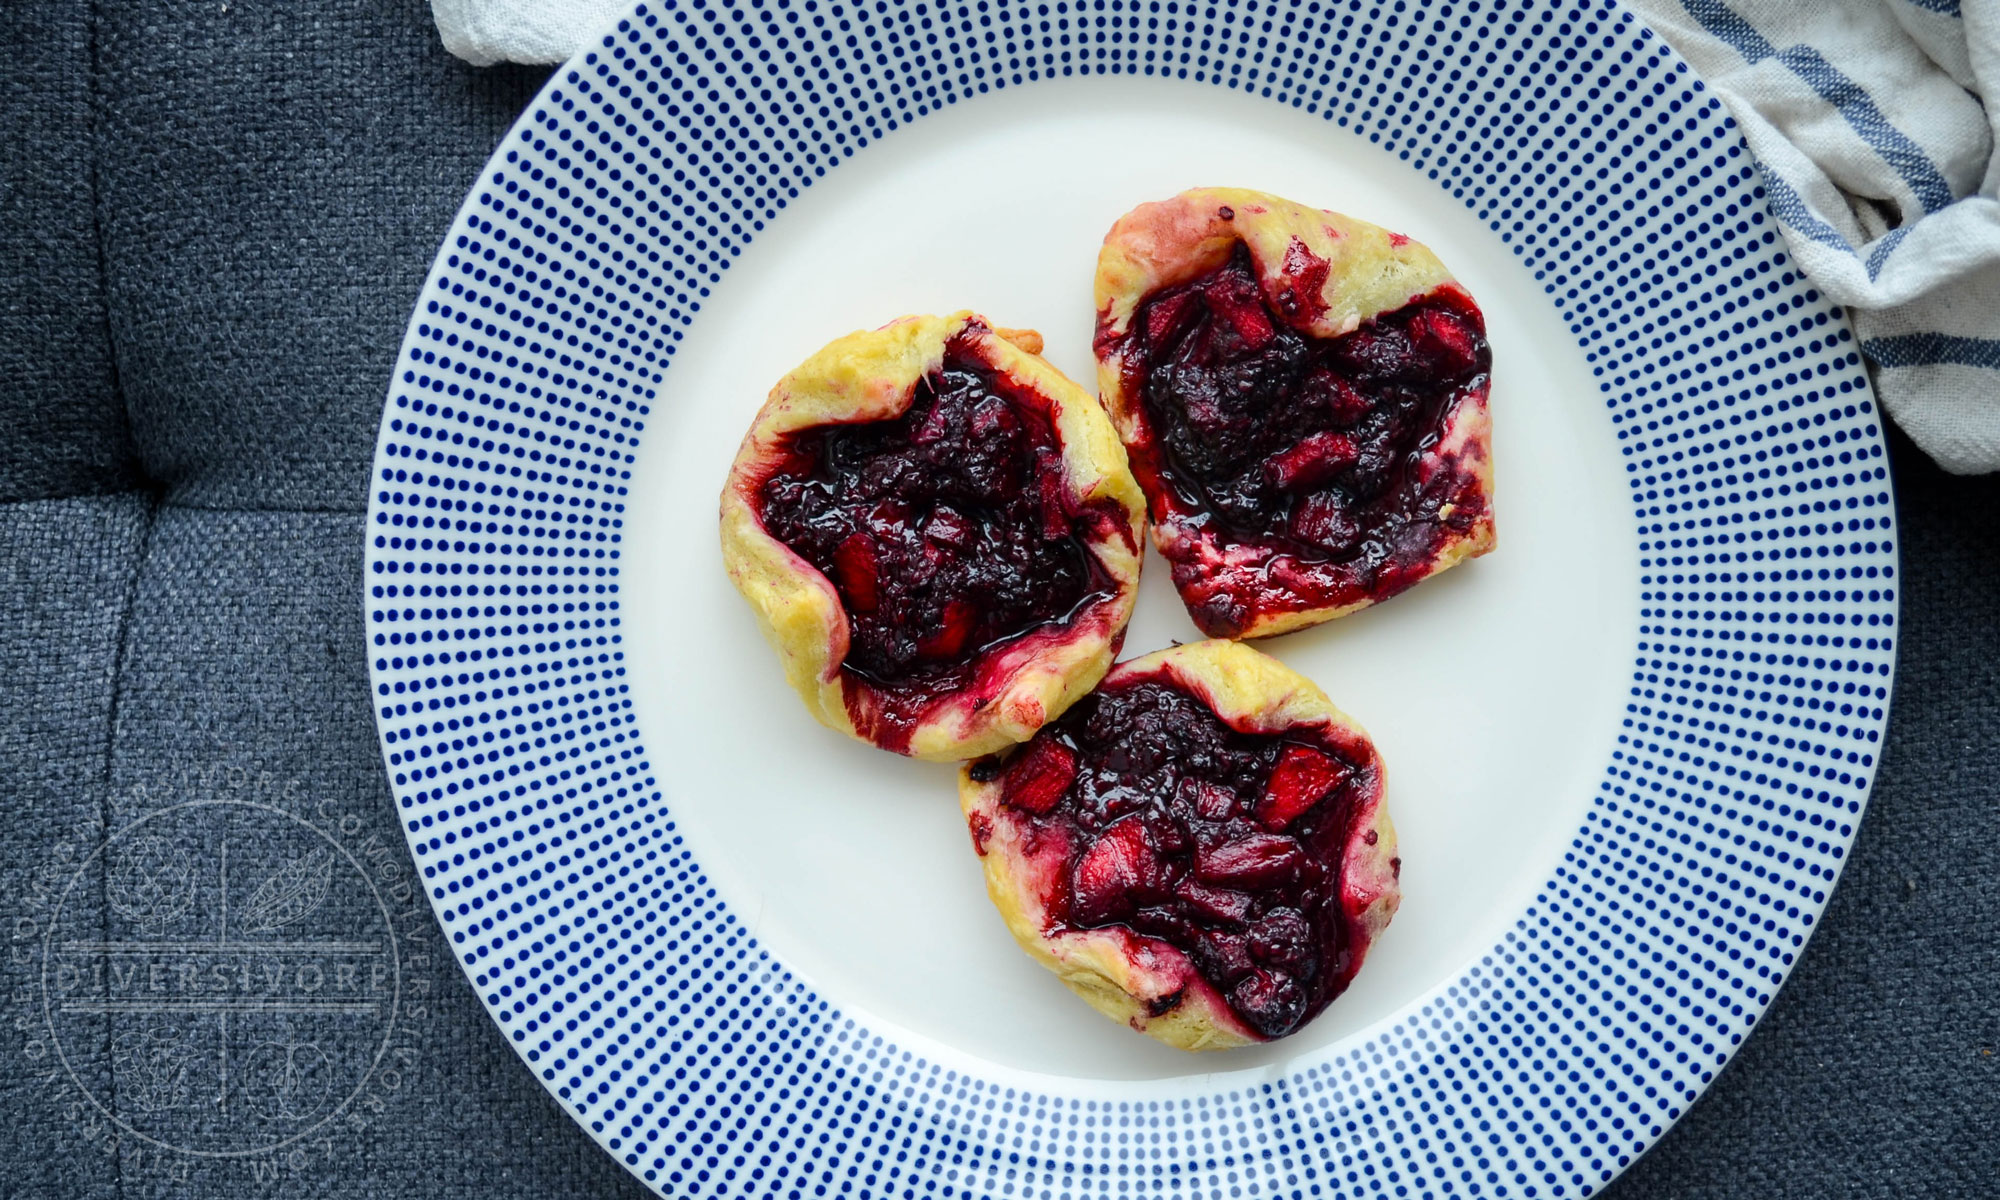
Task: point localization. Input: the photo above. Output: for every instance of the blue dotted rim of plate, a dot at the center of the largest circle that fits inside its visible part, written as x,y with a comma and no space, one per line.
1758,482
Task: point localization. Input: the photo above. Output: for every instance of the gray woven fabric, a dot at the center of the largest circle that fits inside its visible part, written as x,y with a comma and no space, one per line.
216,217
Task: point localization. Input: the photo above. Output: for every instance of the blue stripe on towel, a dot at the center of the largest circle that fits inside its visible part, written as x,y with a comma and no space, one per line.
1948,7
1883,249
1932,349
1850,99
1793,211
1858,107
1722,21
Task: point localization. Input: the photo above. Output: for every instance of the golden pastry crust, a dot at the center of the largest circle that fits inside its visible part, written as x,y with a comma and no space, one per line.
1143,981
1324,275
1160,244
870,376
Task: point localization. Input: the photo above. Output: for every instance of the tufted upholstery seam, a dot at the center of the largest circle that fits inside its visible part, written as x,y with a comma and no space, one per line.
122,641
136,462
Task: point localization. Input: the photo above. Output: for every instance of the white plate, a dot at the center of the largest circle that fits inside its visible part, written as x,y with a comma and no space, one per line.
1626,751
1494,691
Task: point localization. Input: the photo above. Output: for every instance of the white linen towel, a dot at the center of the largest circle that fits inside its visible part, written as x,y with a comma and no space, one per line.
484,32
1877,152
1865,115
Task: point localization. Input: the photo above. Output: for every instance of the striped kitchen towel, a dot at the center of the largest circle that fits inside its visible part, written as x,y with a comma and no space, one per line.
1877,152
1868,121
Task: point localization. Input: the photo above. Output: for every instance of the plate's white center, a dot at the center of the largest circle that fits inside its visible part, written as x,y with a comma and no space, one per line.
1494,690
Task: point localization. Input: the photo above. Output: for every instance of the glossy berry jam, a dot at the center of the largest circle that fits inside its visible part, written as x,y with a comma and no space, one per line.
1305,446
1226,845
945,531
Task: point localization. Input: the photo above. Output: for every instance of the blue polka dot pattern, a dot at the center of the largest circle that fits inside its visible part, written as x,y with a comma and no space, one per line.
1759,686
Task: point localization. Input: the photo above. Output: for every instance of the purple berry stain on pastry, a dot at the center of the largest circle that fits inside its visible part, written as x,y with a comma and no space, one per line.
946,531
1303,399
1305,445
1226,845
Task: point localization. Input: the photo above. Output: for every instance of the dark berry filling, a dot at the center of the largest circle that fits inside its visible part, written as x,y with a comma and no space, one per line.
945,531
1227,845
1307,445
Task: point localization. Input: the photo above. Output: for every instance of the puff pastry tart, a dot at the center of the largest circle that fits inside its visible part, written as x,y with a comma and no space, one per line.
939,534
1199,849
1303,396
